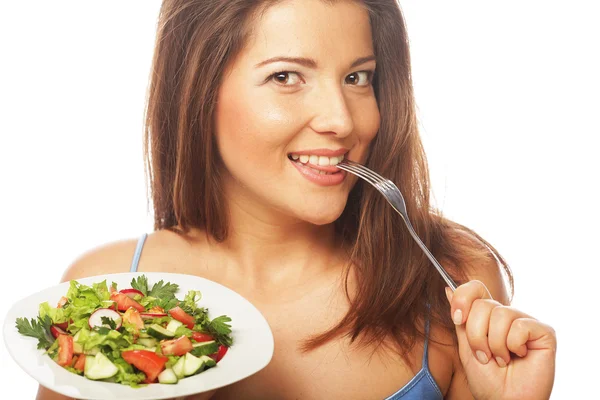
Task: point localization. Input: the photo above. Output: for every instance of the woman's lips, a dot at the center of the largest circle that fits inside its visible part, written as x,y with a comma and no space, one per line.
334,175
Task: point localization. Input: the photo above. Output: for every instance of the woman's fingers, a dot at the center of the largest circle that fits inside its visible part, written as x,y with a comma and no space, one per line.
501,322
530,334
477,325
487,323
463,297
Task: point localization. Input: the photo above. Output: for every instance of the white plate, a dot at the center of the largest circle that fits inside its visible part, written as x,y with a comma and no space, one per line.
251,351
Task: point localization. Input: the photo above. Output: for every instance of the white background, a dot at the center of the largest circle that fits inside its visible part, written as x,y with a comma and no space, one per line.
508,96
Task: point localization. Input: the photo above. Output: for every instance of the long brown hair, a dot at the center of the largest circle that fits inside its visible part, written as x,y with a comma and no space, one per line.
397,287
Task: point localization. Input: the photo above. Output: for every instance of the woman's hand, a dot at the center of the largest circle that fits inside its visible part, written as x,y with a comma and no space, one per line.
506,354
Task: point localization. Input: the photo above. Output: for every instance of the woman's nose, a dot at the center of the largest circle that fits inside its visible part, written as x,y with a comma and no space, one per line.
331,113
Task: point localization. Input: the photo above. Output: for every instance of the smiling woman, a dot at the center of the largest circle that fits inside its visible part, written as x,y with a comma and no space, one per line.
251,106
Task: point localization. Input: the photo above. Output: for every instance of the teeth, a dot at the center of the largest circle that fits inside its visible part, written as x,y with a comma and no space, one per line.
317,160
324,161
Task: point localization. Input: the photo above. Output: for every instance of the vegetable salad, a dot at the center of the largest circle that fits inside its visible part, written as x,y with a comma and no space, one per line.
133,336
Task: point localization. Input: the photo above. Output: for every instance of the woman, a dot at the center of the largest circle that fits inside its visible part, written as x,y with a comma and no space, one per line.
251,106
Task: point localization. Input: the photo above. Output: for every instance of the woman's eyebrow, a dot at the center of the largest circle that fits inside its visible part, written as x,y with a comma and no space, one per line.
309,62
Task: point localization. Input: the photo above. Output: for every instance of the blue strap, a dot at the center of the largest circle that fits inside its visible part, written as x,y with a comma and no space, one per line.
425,361
138,253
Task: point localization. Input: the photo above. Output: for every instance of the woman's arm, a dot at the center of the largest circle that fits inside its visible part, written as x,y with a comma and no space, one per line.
46,394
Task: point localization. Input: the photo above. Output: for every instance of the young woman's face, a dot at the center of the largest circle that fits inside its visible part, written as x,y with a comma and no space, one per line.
295,101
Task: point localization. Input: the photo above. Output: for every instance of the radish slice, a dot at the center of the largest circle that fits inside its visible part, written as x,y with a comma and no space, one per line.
56,331
131,292
152,315
96,318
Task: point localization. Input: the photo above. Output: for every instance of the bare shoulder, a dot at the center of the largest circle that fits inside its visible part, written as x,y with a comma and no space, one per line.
115,257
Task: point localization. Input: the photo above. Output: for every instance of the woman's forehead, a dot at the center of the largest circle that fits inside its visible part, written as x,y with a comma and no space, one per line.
311,28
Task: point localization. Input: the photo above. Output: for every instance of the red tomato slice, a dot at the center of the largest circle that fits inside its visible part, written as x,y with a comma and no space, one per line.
176,347
80,363
64,325
65,350
201,337
182,317
146,361
56,331
124,302
221,352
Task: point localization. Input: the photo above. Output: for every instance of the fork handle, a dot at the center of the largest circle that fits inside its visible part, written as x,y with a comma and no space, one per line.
435,262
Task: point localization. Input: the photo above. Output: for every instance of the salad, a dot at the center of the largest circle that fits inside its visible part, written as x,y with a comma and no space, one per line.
133,336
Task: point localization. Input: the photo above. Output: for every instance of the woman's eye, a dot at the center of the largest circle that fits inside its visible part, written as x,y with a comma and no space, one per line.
286,78
361,78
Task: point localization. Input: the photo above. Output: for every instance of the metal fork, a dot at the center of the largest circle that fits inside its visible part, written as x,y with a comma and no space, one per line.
393,196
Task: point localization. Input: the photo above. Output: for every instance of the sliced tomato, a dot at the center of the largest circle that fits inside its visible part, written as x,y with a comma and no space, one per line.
201,337
56,331
124,302
182,317
80,363
65,350
64,325
131,292
221,353
133,317
176,347
63,300
146,361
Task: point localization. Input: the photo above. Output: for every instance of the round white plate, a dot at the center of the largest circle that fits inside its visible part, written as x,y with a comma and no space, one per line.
251,351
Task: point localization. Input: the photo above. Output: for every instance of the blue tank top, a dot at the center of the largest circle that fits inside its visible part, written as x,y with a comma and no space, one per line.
421,387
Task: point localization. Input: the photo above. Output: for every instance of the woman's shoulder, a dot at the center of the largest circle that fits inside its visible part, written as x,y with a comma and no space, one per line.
116,256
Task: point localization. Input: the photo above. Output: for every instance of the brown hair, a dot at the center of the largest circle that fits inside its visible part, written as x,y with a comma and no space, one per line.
397,286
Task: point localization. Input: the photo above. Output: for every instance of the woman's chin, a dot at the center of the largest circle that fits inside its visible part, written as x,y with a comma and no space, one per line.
322,215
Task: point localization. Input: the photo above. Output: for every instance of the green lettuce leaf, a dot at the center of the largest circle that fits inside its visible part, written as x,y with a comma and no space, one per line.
126,374
57,315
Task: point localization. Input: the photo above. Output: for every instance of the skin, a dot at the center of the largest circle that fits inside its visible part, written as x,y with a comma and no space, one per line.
281,253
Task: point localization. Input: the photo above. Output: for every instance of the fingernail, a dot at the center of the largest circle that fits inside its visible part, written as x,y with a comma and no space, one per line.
457,317
501,362
482,357
449,294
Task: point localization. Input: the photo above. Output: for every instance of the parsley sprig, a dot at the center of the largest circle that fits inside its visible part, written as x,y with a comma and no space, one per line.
221,330
38,328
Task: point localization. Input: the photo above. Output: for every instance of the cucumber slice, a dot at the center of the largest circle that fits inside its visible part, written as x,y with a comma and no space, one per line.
77,347
91,352
178,367
167,376
205,348
99,367
144,334
192,365
159,332
208,362
173,325
147,342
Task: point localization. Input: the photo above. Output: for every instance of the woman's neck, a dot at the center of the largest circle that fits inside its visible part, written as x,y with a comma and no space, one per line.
270,249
